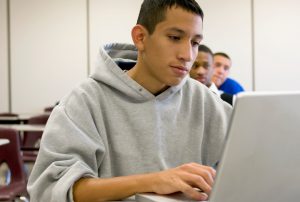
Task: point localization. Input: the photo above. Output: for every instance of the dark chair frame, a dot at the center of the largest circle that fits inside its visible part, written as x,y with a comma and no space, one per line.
10,154
8,114
29,149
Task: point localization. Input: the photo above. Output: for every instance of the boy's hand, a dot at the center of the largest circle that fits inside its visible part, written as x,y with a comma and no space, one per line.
186,178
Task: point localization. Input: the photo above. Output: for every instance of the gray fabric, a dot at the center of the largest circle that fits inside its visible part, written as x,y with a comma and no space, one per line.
111,126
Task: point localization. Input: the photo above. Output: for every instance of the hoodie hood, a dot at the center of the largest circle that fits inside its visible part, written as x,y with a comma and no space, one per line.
113,60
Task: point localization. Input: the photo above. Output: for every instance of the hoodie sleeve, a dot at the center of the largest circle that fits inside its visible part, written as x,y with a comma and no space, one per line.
71,148
217,118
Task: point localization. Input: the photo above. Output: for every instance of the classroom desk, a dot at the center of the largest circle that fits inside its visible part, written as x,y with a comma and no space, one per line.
4,141
152,197
22,118
9,118
24,127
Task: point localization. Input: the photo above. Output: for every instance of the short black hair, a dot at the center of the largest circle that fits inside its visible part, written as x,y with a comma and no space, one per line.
153,11
222,54
204,48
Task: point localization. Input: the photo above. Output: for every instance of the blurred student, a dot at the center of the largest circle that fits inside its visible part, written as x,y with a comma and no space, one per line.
202,71
149,129
222,65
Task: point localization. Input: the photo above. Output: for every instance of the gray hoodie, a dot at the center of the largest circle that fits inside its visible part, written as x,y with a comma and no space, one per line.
111,126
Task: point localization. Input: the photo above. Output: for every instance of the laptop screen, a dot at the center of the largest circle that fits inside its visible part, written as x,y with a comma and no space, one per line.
262,152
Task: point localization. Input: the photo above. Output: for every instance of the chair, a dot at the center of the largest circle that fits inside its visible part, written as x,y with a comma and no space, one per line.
48,109
10,154
31,139
8,114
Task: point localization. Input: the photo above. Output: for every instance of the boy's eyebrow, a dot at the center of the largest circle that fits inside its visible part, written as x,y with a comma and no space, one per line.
180,31
199,36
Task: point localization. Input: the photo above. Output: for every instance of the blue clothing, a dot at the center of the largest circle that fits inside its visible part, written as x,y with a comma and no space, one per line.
231,86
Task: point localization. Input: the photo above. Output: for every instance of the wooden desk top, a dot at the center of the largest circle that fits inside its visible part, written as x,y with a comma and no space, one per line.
9,118
21,117
24,127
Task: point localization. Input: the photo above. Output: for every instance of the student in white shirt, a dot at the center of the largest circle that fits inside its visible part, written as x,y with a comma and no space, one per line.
202,70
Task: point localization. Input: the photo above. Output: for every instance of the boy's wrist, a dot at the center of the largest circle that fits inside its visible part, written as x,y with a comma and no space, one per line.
146,182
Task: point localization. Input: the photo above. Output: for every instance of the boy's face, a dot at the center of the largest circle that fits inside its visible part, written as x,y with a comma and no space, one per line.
202,68
221,67
169,52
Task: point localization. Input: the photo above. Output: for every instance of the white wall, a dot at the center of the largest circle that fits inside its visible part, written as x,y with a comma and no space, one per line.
227,28
48,51
111,21
51,45
4,101
277,32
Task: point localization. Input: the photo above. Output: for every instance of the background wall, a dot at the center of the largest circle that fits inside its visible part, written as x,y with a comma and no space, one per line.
4,102
111,22
54,43
227,28
48,51
277,32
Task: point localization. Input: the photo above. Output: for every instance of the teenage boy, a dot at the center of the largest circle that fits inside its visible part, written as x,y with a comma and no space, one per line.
149,129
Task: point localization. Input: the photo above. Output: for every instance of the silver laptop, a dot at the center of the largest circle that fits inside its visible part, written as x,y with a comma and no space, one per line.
261,158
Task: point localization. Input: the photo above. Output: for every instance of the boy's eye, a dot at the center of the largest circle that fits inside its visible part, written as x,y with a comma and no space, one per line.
205,65
195,43
174,38
195,65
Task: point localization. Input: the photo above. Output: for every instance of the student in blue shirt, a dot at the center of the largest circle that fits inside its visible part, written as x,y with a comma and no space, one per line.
222,65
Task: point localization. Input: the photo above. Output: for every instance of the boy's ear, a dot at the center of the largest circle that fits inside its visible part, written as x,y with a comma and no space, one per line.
139,34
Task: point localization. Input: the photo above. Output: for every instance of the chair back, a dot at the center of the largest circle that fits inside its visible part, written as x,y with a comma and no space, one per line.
10,154
31,137
48,109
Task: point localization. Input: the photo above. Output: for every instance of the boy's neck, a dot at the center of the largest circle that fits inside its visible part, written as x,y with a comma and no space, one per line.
142,77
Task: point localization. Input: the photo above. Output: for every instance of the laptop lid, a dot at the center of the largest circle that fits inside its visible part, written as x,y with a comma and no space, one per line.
261,157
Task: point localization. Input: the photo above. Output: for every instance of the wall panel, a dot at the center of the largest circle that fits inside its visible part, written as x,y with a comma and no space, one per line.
227,28
4,86
277,31
111,22
48,51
